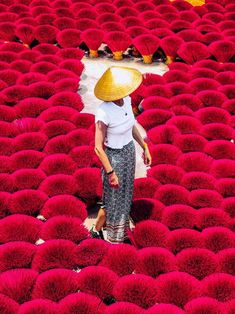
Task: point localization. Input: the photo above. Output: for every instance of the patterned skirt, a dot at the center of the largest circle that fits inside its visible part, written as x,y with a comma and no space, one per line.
117,202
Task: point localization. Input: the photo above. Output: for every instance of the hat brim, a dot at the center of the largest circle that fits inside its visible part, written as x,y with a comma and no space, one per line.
117,82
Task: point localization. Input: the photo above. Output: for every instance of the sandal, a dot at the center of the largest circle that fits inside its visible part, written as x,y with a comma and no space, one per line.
96,234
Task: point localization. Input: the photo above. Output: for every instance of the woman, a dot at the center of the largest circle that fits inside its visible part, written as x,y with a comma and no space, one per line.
115,130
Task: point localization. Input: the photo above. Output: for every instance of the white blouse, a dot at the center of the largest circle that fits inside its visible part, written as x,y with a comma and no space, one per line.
119,120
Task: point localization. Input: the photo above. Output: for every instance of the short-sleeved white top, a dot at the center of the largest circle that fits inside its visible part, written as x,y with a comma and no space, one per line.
119,120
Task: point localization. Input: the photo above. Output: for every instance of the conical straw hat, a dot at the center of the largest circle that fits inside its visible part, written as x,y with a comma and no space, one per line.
117,82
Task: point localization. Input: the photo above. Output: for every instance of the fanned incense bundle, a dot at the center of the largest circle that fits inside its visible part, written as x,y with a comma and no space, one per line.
25,33
192,52
118,42
222,50
170,45
147,46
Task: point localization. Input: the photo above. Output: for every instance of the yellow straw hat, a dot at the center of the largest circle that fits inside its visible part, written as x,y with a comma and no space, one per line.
117,82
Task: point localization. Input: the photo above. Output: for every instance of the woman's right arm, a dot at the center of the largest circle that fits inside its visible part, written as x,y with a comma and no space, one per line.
100,133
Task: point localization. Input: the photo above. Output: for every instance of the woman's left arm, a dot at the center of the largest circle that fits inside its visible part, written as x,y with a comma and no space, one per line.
146,154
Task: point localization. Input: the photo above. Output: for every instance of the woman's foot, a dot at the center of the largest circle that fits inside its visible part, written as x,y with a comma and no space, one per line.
96,234
127,241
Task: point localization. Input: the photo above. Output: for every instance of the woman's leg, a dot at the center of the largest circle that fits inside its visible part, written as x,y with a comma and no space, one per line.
118,201
101,218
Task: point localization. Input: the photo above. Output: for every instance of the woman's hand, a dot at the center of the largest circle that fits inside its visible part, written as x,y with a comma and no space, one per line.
113,181
147,156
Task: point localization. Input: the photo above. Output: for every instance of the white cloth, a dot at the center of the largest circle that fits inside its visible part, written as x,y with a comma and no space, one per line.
119,120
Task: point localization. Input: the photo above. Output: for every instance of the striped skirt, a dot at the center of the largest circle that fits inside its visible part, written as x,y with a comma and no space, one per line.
117,202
